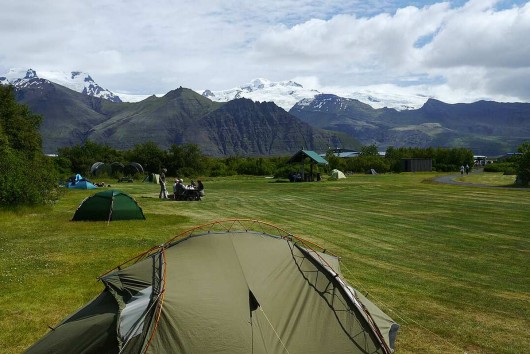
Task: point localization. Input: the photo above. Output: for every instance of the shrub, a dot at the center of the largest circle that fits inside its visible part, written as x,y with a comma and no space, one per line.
29,181
27,177
522,164
499,167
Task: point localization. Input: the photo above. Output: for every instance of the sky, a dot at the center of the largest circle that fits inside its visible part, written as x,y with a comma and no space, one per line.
455,51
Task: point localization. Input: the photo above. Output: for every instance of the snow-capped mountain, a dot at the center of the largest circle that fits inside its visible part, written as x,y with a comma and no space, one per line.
75,80
20,79
380,99
284,93
287,93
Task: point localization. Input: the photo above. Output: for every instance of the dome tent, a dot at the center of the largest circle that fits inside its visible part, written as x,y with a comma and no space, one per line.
223,288
116,168
79,182
109,205
95,167
337,174
133,168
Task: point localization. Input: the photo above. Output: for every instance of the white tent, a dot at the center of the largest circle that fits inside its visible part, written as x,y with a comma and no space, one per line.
336,174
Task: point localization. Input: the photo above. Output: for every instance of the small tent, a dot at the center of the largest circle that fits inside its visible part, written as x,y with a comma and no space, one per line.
109,205
152,178
133,168
95,167
79,182
337,174
224,288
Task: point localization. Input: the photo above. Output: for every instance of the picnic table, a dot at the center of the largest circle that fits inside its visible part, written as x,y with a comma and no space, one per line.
187,194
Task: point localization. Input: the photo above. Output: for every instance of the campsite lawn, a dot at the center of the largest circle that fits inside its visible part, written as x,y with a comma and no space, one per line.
488,178
450,263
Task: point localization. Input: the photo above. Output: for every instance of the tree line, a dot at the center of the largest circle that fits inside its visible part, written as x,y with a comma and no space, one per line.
443,159
28,177
188,160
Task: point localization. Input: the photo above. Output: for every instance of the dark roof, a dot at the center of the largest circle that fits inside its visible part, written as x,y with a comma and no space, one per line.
302,154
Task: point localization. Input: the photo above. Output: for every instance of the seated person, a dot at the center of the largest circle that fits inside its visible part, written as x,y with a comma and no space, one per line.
200,188
175,185
179,187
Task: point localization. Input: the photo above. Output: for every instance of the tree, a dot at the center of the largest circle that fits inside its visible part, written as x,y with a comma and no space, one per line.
20,126
149,155
334,162
186,160
370,150
82,157
27,177
522,164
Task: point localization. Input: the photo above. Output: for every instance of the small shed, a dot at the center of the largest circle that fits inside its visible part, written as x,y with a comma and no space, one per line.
311,157
416,165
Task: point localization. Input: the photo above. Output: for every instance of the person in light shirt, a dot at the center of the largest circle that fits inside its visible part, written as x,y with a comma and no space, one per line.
163,190
179,187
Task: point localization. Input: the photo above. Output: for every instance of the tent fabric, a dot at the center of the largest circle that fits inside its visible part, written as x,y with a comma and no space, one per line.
88,330
313,156
79,182
152,178
232,292
109,205
95,167
337,174
82,184
132,168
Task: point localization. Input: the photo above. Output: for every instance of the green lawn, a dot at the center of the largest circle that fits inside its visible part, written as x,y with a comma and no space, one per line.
450,263
489,178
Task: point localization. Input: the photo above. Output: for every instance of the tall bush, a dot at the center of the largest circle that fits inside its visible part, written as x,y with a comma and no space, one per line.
27,177
522,164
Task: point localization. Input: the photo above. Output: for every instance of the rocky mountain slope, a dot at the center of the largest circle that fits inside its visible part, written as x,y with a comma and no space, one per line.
485,127
239,127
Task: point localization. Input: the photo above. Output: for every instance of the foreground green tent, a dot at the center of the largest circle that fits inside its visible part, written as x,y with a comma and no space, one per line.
109,205
222,288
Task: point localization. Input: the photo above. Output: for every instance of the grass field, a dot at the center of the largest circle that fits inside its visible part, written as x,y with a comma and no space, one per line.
490,178
450,263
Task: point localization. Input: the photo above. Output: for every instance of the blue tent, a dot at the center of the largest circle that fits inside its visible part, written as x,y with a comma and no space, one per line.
79,182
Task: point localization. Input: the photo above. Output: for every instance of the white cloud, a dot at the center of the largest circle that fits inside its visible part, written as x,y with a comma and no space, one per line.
478,49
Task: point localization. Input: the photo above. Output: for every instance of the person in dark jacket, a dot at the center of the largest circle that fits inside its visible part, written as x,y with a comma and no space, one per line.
200,188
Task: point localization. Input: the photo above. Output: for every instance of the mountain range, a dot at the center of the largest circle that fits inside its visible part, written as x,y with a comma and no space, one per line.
486,127
225,123
284,93
287,93
239,127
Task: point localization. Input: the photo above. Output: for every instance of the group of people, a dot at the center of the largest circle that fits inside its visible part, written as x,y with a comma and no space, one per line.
464,169
178,187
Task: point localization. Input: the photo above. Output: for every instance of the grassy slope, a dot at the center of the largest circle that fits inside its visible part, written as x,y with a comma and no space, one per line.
449,263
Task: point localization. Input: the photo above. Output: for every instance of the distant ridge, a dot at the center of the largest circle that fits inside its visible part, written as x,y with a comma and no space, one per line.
485,127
